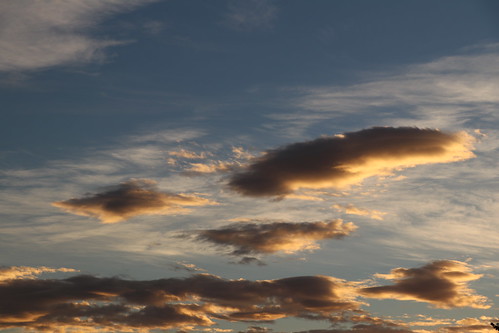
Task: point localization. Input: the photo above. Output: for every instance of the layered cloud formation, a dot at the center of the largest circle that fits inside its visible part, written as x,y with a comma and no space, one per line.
129,199
258,238
347,159
113,304
441,283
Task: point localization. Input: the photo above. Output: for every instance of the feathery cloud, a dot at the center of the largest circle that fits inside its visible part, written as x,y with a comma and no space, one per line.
257,238
351,209
129,199
347,159
42,34
250,14
442,283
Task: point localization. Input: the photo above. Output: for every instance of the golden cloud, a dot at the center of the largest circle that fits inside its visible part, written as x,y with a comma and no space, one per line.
351,209
129,199
443,284
266,238
25,272
347,159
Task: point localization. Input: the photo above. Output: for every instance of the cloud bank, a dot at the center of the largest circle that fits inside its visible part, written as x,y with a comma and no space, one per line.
441,283
113,304
41,34
347,159
258,238
129,199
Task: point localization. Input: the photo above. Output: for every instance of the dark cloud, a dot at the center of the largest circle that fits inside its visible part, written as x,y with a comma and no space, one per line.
442,283
258,238
364,329
339,161
129,199
116,303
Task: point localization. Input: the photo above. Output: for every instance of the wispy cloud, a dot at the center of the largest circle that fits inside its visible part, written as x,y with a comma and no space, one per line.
351,209
250,14
24,272
347,159
42,34
449,92
129,199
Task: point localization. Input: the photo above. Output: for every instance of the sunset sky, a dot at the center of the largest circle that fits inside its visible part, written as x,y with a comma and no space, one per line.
249,166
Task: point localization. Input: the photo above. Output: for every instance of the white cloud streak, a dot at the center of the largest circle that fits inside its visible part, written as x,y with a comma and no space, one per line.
42,34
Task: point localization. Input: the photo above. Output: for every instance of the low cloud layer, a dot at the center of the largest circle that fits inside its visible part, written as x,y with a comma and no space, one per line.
129,199
113,304
443,284
266,238
343,160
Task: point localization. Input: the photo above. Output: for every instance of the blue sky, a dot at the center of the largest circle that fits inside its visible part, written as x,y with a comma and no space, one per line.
257,166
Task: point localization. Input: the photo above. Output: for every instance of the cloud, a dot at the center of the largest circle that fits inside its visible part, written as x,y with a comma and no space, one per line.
187,154
257,238
24,272
347,159
441,283
129,199
453,92
42,34
114,304
351,209
250,14
197,168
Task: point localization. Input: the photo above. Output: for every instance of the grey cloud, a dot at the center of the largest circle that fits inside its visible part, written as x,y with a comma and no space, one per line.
250,14
115,303
266,238
42,34
443,283
343,160
129,199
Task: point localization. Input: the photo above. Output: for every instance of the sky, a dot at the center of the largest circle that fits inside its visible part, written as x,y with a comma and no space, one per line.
249,166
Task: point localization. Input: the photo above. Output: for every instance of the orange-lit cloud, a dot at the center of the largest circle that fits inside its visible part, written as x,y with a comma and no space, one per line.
343,160
266,238
187,154
129,199
24,272
109,304
443,284
351,209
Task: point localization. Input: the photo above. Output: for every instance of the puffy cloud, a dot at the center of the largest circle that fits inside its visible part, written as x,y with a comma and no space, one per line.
42,34
442,283
351,209
120,304
266,238
347,159
129,199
